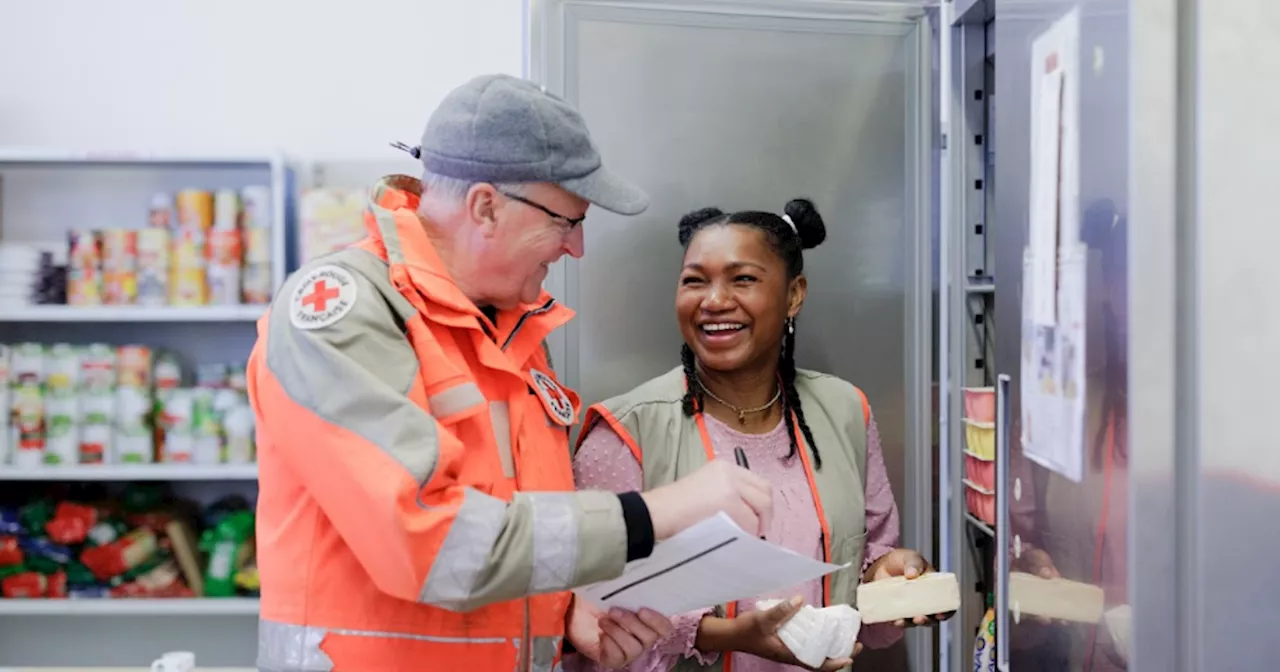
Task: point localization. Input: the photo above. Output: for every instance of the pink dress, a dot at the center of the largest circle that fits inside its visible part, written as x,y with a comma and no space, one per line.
605,463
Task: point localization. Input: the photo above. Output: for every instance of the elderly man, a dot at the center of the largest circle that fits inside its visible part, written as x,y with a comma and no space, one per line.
416,502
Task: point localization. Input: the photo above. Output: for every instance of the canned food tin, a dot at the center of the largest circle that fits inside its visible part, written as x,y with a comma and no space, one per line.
161,214
255,202
195,210
226,210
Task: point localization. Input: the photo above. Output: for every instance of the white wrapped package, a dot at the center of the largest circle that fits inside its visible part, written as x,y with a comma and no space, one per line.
813,635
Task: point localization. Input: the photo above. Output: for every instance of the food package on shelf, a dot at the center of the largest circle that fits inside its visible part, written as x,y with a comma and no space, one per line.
27,430
84,269
330,219
188,281
119,266
226,252
154,248
229,546
99,404
6,404
255,276
62,405
195,210
139,544
133,439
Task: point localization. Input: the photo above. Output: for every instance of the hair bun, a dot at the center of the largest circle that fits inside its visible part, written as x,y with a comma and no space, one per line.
809,226
689,223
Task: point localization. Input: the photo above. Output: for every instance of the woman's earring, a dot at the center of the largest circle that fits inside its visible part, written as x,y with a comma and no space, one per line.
791,325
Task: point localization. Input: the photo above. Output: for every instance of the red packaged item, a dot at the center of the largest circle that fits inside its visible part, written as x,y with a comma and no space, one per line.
120,556
10,552
56,585
26,584
133,589
71,523
155,520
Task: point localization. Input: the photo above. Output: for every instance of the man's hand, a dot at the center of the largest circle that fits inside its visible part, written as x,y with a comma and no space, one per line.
908,563
715,487
614,639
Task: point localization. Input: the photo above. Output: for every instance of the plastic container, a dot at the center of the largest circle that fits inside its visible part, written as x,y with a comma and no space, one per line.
980,403
980,438
980,471
980,502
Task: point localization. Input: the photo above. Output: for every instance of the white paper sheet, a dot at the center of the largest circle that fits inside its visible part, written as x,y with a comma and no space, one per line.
1045,181
1054,263
710,563
1072,269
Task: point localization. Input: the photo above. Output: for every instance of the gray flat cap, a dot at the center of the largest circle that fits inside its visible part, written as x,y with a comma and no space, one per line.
499,128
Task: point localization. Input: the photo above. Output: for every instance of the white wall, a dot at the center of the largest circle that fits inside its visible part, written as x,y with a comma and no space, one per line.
320,80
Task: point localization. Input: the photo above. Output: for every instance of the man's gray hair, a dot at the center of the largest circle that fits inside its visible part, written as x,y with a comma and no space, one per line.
449,192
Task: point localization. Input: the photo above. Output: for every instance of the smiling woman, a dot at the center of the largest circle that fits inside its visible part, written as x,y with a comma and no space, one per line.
740,291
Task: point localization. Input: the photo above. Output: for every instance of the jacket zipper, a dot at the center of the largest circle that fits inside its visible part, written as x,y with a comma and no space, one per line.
536,311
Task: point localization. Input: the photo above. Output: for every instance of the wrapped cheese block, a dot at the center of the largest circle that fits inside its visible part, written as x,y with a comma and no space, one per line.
902,598
813,635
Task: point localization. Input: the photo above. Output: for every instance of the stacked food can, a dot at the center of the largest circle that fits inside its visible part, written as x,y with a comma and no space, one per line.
84,269
198,248
210,423
98,404
187,284
119,266
225,251
256,231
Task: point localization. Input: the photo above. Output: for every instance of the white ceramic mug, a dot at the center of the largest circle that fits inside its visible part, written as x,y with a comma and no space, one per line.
175,661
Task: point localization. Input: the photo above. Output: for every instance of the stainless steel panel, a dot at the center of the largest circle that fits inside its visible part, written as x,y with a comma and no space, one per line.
1236,356
1076,530
1155,588
746,105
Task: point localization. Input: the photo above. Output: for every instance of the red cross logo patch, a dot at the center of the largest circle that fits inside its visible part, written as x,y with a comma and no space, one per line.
325,295
558,405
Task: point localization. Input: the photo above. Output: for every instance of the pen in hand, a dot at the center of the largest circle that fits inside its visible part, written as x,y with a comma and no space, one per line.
740,457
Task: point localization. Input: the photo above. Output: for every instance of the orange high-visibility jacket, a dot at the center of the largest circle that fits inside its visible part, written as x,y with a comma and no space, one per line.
416,508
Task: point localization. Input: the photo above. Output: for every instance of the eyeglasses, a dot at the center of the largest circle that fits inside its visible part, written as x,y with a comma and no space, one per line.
571,221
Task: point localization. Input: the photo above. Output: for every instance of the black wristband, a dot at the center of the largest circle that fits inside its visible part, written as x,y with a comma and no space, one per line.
639,525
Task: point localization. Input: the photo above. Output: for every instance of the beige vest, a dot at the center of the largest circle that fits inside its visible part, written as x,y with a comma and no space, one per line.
670,446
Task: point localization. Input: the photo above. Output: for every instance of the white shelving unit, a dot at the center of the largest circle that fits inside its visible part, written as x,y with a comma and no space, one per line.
44,194
125,473
221,606
131,314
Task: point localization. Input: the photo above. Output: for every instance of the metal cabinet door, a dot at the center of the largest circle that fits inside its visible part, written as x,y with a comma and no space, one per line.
1056,525
745,105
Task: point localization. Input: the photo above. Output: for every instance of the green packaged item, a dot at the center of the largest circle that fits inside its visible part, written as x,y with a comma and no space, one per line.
224,544
158,558
43,565
79,575
36,515
12,570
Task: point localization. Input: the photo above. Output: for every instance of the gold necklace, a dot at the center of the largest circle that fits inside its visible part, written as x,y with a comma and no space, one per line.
742,412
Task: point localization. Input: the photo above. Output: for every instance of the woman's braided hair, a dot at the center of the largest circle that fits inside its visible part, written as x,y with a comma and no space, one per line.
788,243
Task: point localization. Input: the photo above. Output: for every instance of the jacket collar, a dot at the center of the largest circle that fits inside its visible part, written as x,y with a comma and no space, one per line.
416,268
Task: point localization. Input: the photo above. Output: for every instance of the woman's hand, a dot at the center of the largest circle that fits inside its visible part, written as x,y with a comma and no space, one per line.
756,633
908,563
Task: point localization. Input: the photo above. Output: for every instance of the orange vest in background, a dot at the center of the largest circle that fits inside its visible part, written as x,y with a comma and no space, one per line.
374,553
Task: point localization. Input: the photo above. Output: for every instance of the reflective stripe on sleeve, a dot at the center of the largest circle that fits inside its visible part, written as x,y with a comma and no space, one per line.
555,542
